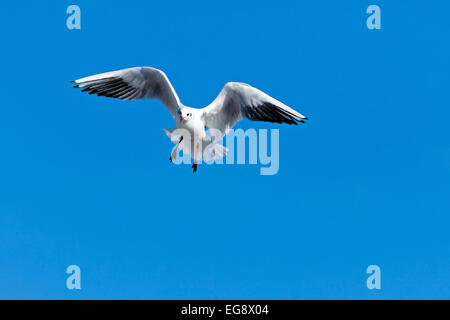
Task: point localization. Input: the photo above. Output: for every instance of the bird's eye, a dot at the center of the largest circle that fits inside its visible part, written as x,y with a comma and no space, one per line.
189,114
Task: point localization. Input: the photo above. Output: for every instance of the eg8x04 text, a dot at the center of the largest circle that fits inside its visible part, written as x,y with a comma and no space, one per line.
246,309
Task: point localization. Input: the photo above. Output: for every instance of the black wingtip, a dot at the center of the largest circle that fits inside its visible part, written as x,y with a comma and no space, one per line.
72,81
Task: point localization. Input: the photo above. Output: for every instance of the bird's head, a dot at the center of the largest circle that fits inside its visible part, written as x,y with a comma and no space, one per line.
184,115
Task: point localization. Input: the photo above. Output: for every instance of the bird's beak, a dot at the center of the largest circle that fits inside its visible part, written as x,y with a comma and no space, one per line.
181,118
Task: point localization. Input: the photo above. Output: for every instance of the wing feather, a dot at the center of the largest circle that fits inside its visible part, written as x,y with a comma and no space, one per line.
239,101
132,84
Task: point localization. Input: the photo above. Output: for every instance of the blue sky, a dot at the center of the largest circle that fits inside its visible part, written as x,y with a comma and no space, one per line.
86,180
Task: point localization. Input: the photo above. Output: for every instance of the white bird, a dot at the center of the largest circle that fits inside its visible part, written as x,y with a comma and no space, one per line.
235,102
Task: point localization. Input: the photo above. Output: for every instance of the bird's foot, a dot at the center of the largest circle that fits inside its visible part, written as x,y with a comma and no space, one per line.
194,166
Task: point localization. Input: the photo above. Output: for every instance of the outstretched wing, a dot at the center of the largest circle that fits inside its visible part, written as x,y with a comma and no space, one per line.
239,101
131,84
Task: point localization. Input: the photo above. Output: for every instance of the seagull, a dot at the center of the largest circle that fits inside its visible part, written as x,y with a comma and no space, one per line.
235,102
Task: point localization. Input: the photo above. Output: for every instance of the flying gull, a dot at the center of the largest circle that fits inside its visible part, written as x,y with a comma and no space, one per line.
236,101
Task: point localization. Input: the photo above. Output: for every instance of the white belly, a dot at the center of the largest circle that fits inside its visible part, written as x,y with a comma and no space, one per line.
195,129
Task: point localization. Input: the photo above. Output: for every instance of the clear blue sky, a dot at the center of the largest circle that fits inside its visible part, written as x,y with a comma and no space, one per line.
86,180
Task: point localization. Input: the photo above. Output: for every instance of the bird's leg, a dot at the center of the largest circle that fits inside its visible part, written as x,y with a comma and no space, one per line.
173,156
195,158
